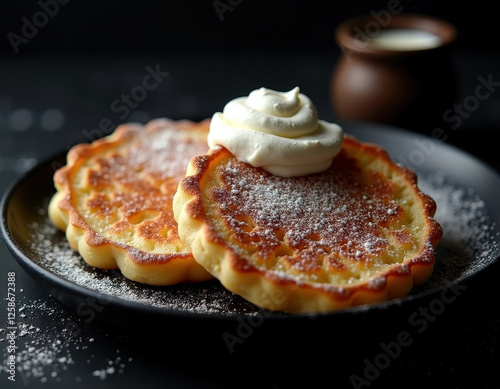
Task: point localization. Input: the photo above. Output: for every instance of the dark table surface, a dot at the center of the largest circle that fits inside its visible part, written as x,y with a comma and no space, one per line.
48,104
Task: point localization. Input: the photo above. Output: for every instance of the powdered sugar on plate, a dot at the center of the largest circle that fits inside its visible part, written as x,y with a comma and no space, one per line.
52,251
470,238
47,353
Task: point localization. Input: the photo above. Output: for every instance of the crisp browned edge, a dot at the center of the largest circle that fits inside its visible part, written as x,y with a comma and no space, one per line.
78,154
398,283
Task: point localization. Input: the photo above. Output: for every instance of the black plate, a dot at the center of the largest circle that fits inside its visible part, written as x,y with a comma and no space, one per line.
464,188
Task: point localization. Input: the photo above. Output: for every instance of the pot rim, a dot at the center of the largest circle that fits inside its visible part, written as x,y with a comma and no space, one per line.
347,31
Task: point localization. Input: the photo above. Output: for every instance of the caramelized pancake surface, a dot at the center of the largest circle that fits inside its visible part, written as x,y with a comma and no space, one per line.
360,232
114,200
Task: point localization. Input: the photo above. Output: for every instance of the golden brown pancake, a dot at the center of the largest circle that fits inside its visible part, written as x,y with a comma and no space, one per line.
114,200
360,232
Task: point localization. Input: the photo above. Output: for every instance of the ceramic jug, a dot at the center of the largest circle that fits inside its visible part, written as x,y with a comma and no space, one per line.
398,72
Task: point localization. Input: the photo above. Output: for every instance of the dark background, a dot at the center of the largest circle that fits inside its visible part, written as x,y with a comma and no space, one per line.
89,53
60,85
163,27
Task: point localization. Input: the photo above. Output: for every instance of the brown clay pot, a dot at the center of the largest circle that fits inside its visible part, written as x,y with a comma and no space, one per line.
408,88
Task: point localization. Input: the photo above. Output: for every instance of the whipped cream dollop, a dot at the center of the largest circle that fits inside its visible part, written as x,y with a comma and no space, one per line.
279,132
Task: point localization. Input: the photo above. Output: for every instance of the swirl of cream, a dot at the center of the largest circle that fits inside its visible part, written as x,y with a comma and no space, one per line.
284,114
279,132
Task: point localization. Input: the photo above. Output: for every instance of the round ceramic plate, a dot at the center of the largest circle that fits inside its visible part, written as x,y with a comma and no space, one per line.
464,188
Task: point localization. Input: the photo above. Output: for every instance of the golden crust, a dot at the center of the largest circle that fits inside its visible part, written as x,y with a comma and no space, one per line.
114,200
360,232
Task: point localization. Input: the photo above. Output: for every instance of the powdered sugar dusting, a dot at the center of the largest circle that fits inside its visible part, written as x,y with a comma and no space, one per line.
470,238
340,219
165,153
45,354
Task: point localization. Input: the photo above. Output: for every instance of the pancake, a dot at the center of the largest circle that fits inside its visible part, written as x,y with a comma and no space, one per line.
360,232
114,200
